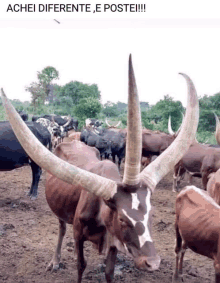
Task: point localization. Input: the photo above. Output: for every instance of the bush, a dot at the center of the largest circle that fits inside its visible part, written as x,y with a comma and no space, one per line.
206,137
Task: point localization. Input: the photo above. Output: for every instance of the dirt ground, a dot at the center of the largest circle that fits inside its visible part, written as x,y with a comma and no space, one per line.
29,231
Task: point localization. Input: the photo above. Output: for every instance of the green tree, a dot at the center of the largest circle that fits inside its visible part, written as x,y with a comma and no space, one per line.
208,104
77,90
87,108
38,94
110,109
40,90
122,107
159,113
48,74
144,105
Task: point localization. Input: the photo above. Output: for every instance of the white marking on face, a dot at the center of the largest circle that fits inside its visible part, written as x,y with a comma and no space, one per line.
135,201
146,235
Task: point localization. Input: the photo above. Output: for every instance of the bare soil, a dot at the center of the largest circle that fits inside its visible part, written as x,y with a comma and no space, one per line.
29,231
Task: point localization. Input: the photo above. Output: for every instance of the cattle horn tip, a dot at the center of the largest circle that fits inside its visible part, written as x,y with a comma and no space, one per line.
2,92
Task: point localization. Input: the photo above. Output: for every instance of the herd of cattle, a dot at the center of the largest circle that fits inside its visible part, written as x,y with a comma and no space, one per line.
84,188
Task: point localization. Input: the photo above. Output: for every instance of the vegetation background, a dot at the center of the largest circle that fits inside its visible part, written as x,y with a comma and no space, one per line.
81,101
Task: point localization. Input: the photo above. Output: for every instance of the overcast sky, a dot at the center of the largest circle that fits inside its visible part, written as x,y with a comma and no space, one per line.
96,50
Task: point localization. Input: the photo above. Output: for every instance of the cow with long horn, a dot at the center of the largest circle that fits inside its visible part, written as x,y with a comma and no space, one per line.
155,142
88,193
112,126
170,131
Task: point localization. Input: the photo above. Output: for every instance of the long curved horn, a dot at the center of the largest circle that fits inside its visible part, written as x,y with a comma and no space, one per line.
171,132
63,170
217,130
155,171
134,133
107,122
52,118
68,121
177,132
117,125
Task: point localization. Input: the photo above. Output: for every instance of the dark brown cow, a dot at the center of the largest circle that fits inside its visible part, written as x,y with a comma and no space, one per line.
200,160
197,227
155,142
145,161
88,193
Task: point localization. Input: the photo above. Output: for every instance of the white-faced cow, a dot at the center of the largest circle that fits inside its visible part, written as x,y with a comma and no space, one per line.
89,194
197,227
92,122
53,128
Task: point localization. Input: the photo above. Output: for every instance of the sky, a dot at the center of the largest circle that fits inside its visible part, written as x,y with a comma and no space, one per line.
166,39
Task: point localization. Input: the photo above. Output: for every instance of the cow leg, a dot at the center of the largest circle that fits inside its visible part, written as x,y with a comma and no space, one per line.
175,176
190,177
113,158
119,162
36,173
179,173
174,183
50,145
54,264
178,248
205,179
110,264
183,250
81,262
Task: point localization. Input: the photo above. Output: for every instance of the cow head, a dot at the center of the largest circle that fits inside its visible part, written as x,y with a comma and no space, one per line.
128,200
131,224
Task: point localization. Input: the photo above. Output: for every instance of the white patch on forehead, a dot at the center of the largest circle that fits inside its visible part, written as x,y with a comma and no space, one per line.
135,201
146,235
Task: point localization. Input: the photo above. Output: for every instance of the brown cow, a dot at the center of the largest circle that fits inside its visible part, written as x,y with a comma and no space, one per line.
145,161
200,161
155,142
88,193
213,186
197,227
75,136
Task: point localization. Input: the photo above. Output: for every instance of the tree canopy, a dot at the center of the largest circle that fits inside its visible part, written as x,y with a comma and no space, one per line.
39,90
83,101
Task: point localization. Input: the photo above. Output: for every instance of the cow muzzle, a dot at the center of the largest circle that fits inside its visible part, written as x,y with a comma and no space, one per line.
148,263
